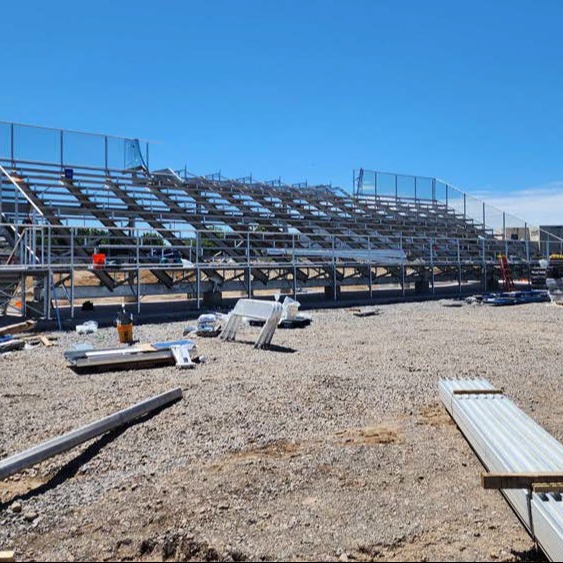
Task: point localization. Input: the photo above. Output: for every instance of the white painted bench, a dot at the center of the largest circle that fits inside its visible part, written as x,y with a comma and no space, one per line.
268,311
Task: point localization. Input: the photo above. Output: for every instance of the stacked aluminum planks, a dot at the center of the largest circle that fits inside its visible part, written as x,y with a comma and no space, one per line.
508,441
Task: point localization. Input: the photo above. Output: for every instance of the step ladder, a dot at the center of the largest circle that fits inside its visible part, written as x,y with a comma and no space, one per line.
506,273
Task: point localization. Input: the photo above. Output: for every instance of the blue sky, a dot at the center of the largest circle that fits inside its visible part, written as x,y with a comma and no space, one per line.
466,91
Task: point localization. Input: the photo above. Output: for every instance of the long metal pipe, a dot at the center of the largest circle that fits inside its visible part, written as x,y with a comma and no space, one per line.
72,439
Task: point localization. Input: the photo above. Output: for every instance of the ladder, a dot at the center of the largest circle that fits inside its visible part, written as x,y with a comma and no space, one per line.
506,273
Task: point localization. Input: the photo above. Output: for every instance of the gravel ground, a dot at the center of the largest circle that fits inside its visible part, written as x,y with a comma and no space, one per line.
331,446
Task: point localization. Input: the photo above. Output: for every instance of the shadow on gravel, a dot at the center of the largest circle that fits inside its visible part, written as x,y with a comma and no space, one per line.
270,347
72,467
534,554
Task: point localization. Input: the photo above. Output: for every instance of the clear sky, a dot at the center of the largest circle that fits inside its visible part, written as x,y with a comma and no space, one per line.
469,91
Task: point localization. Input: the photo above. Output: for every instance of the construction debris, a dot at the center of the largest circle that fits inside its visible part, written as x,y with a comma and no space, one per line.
182,356
132,357
268,311
554,279
511,297
89,327
44,451
365,312
208,325
10,344
18,327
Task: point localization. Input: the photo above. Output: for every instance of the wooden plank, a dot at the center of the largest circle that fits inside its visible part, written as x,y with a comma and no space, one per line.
112,360
6,556
46,341
547,488
519,480
18,327
478,392
48,449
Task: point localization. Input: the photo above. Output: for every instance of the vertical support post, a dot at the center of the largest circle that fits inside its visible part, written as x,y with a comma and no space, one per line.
249,270
402,267
484,265
49,291
137,256
396,188
61,147
447,194
23,244
432,263
49,238
72,232
12,152
375,183
147,155
415,190
294,266
106,153
369,269
433,190
464,206
334,294
197,272
23,296
459,265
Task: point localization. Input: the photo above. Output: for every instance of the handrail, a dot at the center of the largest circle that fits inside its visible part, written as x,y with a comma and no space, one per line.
5,172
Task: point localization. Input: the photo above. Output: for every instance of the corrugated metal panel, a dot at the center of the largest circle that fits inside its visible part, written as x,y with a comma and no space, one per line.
508,441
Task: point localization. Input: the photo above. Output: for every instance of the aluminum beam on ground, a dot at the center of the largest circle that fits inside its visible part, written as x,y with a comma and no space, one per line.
506,440
72,439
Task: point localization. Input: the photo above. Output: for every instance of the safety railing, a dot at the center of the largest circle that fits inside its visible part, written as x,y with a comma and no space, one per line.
51,246
30,143
404,187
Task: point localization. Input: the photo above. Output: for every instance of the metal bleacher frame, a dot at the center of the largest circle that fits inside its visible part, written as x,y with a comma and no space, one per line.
166,231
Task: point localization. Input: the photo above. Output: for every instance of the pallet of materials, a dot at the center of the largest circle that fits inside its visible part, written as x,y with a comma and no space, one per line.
140,356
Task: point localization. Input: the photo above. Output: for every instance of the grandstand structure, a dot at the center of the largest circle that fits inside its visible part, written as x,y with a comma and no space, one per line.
67,196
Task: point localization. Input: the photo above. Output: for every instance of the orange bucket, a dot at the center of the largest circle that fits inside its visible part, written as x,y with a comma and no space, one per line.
125,333
99,260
